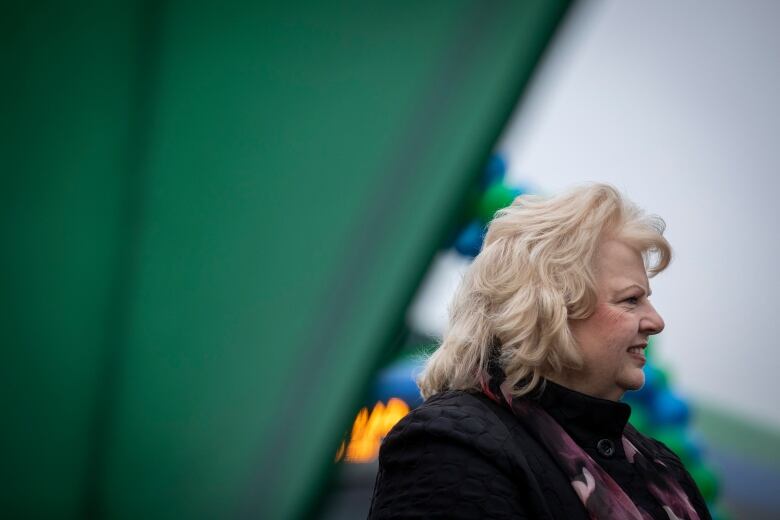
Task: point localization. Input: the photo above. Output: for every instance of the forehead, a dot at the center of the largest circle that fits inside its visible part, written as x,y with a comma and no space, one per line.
619,265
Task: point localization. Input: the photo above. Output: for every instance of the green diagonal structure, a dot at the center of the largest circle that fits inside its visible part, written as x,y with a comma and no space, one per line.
214,216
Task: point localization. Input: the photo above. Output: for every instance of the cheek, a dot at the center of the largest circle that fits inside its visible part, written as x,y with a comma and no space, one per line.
611,317
607,328
620,329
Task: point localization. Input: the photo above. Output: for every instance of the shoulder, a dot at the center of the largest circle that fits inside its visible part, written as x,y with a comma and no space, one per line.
455,416
455,405
448,458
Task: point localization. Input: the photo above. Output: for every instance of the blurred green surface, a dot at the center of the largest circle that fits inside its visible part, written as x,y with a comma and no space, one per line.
70,100
215,215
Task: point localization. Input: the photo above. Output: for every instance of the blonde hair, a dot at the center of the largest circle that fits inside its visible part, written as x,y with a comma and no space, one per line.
533,274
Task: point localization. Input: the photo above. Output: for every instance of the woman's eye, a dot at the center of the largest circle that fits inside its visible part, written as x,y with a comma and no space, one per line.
633,300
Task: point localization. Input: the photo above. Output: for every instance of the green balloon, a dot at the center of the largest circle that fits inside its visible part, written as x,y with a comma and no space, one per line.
665,376
675,440
494,198
706,480
639,419
650,351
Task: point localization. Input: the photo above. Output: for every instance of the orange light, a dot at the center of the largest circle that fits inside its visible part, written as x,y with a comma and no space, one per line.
368,430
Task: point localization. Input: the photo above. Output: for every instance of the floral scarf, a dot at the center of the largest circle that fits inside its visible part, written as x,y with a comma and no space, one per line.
601,496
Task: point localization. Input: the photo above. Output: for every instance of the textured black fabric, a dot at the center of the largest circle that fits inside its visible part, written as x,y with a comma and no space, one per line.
462,456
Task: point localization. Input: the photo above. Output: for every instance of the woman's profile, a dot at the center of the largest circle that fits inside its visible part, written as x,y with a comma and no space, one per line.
522,415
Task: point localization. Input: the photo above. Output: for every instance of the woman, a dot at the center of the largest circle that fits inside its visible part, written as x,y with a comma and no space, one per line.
522,417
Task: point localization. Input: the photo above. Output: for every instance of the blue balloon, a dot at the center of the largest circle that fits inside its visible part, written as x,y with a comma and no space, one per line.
398,380
495,170
469,241
668,409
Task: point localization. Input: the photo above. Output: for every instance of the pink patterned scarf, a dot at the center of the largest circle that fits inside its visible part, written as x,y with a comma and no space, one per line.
601,496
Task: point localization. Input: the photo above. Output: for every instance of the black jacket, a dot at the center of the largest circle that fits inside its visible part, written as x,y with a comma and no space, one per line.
462,456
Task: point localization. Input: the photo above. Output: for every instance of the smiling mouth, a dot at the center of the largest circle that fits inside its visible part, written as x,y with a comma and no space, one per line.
637,349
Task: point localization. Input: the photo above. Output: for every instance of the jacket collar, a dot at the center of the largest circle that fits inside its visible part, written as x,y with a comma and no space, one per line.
587,419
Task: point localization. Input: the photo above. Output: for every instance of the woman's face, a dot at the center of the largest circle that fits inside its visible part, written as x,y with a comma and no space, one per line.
612,340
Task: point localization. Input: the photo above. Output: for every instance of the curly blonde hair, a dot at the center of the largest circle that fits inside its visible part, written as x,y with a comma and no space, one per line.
534,274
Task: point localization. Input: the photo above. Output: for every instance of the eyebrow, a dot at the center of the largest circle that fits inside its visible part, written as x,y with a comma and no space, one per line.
647,291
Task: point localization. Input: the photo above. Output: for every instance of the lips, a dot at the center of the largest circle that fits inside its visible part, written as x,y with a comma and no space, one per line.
637,352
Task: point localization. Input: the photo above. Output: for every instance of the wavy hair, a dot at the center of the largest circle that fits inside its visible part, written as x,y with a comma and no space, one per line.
533,274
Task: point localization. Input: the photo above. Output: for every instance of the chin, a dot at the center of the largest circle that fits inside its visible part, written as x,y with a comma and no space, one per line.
636,382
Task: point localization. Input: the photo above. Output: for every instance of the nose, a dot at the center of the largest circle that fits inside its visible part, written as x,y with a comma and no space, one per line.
652,322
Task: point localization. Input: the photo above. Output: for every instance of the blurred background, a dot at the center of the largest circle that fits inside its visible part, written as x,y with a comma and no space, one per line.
230,232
